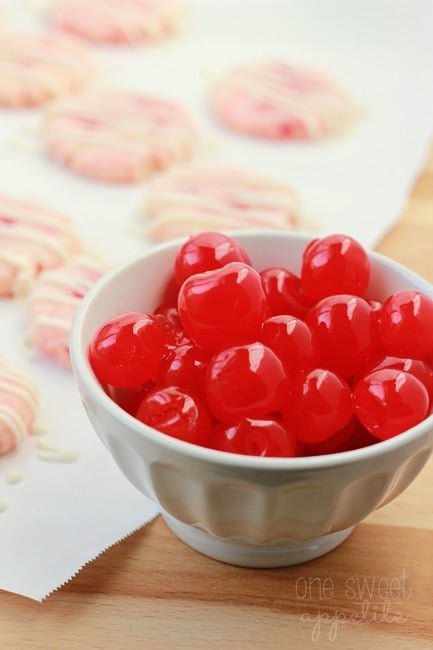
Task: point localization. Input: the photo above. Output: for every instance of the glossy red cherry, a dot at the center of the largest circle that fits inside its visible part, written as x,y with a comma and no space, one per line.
245,381
126,351
169,320
129,399
390,401
185,367
352,436
223,307
292,341
334,264
252,437
406,324
416,367
170,314
319,407
205,252
336,443
176,413
345,331
284,293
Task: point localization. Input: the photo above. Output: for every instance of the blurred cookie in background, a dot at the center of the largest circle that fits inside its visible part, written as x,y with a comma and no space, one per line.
53,301
278,101
32,238
117,21
36,68
193,198
118,137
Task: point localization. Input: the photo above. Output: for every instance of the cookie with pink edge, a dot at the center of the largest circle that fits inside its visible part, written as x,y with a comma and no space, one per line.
36,68
118,137
53,301
32,238
19,402
279,101
194,198
117,21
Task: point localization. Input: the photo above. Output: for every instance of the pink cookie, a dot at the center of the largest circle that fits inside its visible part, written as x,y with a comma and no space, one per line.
279,101
117,136
32,238
37,68
196,198
53,302
18,406
116,21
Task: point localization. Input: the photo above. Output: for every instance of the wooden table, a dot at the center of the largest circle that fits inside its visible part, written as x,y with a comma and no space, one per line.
152,591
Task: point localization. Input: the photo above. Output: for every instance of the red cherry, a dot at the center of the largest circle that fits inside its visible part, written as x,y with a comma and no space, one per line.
416,367
345,331
185,367
388,402
170,314
205,252
406,325
284,293
168,318
245,381
336,443
177,414
126,351
375,305
292,341
360,438
255,438
334,264
223,307
319,407
129,399
353,436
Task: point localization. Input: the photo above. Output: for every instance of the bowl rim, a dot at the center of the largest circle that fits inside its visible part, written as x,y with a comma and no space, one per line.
83,374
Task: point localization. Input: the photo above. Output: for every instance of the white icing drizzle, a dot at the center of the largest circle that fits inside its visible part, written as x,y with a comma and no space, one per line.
18,385
24,391
25,271
13,477
29,213
46,295
39,430
44,320
14,422
32,236
54,453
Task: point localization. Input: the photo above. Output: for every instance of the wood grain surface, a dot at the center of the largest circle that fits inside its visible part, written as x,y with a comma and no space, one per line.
151,591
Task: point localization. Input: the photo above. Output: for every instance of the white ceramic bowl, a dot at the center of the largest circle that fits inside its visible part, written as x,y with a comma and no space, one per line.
249,511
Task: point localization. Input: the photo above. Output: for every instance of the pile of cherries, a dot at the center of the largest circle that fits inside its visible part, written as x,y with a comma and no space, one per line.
270,363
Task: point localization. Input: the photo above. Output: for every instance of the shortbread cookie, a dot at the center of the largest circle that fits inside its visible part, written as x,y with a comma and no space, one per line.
279,101
36,68
117,136
53,302
32,238
116,21
194,198
18,406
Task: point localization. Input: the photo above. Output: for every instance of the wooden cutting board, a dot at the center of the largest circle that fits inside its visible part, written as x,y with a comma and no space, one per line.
152,591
